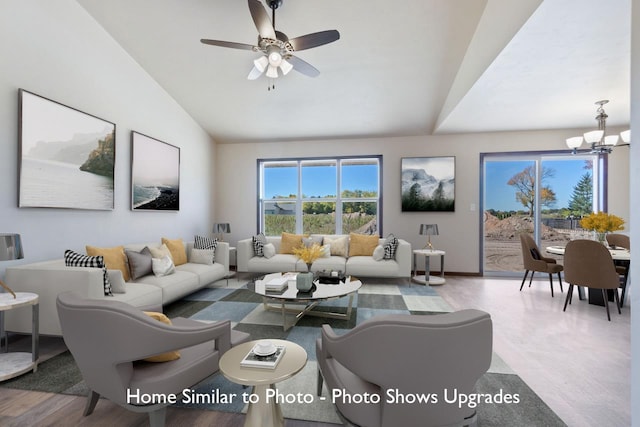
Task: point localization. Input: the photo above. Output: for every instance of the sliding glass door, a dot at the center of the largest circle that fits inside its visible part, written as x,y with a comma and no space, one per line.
543,194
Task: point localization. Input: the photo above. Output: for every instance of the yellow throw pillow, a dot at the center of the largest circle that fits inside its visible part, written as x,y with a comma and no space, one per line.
177,249
114,258
164,357
160,252
289,242
362,244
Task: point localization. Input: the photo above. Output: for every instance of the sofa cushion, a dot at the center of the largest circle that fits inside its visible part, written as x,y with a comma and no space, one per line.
178,252
277,264
117,281
160,251
162,266
289,242
114,258
258,241
390,247
202,256
176,285
269,250
339,245
139,262
74,259
378,253
201,242
362,244
164,357
366,266
206,273
333,263
314,238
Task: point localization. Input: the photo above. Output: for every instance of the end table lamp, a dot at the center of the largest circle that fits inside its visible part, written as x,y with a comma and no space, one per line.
428,230
221,228
10,249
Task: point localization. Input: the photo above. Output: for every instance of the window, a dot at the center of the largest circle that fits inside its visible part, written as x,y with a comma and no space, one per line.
323,196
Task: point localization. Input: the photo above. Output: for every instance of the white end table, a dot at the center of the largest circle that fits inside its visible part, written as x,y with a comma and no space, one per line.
426,278
17,363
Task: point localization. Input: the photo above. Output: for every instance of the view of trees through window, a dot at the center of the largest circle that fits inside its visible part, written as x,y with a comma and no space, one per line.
567,191
324,196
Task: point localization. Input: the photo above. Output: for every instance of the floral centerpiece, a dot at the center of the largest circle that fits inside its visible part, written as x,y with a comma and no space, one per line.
602,223
308,254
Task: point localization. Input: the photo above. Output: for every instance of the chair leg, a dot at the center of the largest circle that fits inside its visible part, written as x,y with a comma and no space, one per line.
92,401
319,383
157,417
531,278
551,283
624,287
568,300
560,280
615,294
526,273
606,303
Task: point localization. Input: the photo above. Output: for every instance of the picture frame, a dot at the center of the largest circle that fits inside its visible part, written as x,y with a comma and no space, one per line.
66,156
428,184
155,174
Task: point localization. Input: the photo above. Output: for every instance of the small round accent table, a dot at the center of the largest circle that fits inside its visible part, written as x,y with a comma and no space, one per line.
263,413
17,363
426,278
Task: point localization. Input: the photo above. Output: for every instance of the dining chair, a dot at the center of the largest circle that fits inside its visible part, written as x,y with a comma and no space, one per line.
534,261
622,267
588,263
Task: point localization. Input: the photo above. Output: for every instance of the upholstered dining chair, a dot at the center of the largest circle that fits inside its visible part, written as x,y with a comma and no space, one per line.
404,355
534,261
588,263
109,339
622,267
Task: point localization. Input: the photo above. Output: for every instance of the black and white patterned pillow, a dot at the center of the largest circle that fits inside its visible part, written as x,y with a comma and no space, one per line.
258,244
201,242
74,259
390,247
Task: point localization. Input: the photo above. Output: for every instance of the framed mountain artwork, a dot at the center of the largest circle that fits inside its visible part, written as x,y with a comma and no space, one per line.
428,184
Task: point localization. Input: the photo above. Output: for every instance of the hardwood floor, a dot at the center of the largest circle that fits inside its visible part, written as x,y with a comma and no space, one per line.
576,361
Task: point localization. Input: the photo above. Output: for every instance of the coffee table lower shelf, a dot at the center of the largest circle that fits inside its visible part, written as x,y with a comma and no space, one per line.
285,307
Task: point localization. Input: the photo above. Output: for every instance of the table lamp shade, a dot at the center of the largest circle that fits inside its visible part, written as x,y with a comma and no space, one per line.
10,247
429,229
222,227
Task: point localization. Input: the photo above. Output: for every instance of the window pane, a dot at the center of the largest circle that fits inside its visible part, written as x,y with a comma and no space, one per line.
360,217
319,179
319,217
279,217
360,178
280,180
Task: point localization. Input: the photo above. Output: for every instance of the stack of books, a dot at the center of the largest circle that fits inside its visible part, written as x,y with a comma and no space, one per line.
254,360
277,284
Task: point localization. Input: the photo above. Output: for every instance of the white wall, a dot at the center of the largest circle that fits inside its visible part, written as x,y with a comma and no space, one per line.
57,50
459,231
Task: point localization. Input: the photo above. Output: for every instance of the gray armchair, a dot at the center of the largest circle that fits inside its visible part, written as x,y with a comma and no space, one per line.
108,340
418,354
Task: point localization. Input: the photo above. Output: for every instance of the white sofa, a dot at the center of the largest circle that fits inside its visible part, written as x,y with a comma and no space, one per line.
360,266
50,278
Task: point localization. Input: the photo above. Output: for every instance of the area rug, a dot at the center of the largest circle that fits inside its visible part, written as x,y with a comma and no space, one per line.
245,309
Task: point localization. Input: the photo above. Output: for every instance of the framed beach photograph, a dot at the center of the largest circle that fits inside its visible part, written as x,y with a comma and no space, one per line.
428,184
67,157
155,174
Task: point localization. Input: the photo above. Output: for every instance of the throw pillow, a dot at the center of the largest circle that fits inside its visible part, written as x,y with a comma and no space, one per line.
162,266
139,262
202,256
289,242
339,245
378,253
362,244
269,250
160,251
201,242
390,247
164,357
178,252
74,259
117,282
259,241
326,251
309,241
114,258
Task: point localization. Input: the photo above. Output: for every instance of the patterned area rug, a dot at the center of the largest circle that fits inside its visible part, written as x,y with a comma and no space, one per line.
245,309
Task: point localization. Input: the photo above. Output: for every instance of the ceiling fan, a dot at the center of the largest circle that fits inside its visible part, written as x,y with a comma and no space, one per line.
276,48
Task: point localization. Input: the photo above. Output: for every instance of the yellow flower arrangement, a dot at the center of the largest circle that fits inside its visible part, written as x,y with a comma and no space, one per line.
602,222
308,254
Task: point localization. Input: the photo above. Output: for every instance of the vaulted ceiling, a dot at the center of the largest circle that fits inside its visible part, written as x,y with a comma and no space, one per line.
409,67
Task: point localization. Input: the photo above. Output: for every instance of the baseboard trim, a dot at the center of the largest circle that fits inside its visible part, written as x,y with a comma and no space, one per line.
451,273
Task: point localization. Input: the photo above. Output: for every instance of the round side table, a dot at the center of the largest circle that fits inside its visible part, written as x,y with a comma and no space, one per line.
426,278
263,413
13,364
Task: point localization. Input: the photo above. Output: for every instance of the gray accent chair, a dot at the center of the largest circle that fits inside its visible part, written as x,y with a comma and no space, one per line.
534,261
411,354
108,340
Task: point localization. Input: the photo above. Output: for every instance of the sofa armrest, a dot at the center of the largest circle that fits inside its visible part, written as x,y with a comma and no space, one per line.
244,252
403,258
222,256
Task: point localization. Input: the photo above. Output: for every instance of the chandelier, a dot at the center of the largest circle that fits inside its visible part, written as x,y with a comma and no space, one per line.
598,140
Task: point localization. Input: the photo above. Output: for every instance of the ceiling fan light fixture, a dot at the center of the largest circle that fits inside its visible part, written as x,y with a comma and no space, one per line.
285,66
261,63
254,73
272,72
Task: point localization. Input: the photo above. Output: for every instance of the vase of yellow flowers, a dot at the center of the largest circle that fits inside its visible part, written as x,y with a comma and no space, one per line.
602,223
308,254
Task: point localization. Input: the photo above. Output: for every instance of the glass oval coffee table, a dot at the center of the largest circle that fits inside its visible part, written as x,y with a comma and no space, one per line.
283,301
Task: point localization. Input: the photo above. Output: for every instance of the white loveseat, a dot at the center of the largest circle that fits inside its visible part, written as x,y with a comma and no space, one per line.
50,278
360,266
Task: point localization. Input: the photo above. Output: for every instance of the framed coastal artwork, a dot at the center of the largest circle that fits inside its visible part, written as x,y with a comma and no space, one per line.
428,184
67,157
155,174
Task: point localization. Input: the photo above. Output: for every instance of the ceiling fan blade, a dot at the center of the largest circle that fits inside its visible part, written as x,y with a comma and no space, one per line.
232,45
314,39
303,67
261,19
